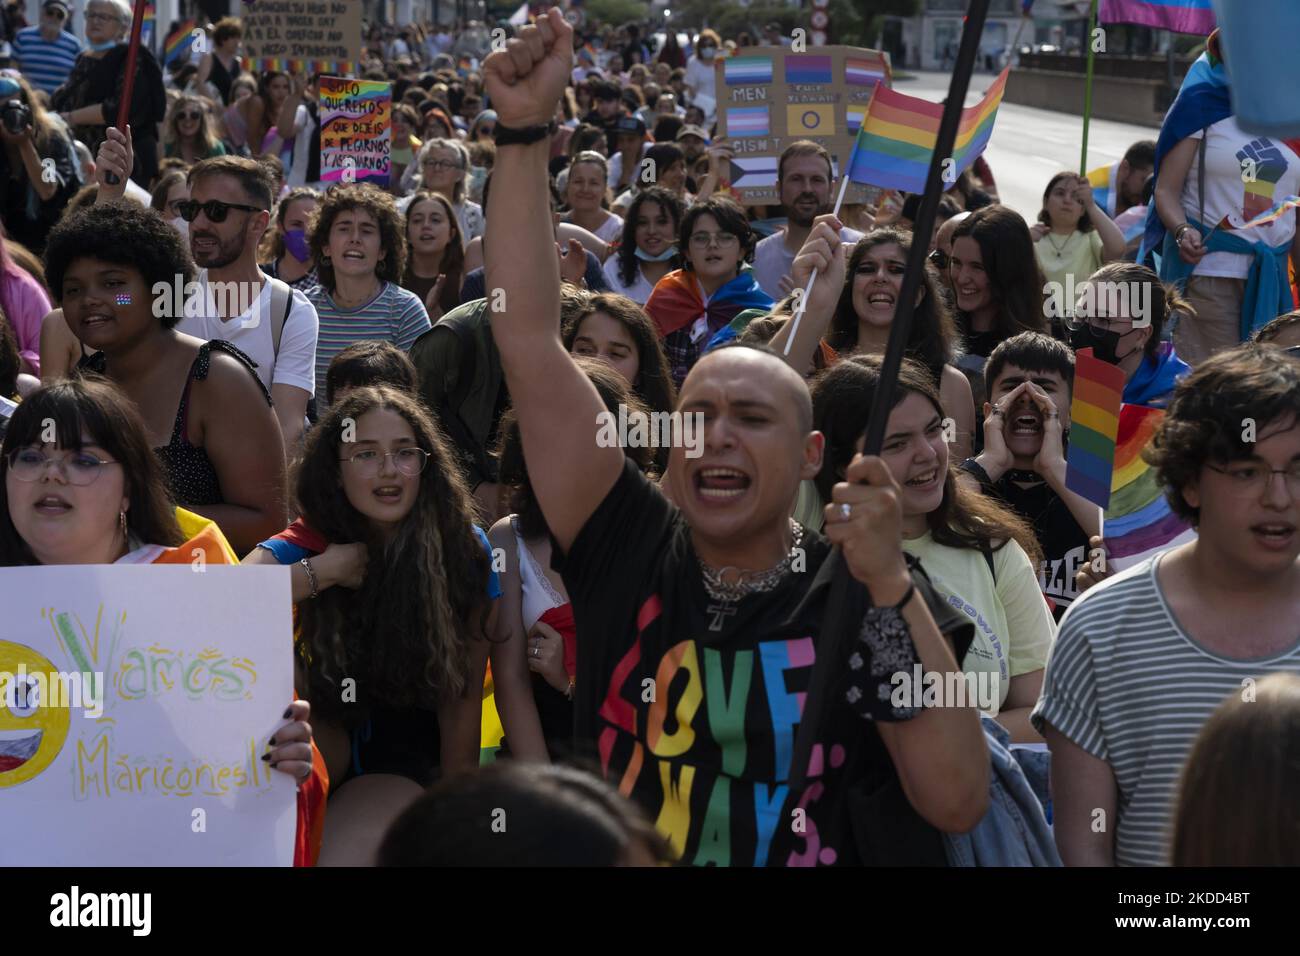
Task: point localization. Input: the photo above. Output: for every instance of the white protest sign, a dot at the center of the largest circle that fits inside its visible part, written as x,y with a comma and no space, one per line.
131,699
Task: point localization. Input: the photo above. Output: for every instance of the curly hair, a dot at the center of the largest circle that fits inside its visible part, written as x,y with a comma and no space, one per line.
629,266
614,391
122,233
933,335
404,634
382,208
842,397
89,405
1203,423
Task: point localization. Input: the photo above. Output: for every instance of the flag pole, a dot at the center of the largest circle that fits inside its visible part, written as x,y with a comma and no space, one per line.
802,304
128,81
833,652
1087,88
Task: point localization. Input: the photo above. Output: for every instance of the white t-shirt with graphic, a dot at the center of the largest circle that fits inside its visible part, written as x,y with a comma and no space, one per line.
1231,154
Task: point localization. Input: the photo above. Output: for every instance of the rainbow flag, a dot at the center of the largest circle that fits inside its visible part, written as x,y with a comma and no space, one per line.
1268,215
894,144
860,72
801,68
1138,521
744,70
178,42
1094,423
148,26
1181,16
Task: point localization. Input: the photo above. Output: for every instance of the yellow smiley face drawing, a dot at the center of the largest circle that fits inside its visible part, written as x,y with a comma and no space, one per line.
31,732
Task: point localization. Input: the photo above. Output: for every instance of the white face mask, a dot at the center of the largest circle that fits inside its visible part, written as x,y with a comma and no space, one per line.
706,53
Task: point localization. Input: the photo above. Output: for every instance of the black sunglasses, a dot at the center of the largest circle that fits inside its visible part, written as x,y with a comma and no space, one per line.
214,209
939,258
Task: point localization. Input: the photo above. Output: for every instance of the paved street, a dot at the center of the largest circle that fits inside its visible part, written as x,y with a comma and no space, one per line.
1030,145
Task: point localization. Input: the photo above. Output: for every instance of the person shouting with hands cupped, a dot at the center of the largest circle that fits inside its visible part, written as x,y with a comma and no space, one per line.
1023,461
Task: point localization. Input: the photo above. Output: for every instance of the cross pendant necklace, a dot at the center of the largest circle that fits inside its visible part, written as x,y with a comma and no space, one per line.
720,614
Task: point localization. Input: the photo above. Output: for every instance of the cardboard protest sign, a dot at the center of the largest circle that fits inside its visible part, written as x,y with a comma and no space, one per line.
768,97
303,36
356,130
136,703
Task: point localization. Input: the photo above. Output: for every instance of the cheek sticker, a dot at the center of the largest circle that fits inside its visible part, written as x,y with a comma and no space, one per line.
31,732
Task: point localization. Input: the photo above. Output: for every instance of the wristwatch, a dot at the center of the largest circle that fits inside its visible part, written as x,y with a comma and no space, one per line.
506,136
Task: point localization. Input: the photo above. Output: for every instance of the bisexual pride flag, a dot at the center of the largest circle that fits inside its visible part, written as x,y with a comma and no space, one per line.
747,70
896,141
803,68
1181,16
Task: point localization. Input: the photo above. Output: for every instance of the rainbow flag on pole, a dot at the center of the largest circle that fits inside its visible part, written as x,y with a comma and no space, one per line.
178,42
1138,521
1273,212
1094,424
1181,16
895,142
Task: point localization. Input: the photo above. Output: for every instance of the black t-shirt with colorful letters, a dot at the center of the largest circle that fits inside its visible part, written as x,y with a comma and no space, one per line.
691,707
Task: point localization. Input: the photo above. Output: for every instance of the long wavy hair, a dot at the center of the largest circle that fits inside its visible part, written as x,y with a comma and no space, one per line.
404,634
453,257
933,334
628,264
842,397
207,134
1015,280
654,382
87,404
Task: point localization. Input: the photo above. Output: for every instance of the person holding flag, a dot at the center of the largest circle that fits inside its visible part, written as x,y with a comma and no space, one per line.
1212,178
670,616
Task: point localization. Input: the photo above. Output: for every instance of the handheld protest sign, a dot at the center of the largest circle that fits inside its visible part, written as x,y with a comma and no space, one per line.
835,649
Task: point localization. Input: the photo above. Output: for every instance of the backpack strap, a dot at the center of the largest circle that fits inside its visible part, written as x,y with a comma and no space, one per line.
281,305
987,551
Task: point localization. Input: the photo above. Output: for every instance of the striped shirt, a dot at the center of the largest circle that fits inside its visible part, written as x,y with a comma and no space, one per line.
1126,684
394,315
46,64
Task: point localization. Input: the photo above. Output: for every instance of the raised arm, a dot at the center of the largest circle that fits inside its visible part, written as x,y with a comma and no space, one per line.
555,403
823,251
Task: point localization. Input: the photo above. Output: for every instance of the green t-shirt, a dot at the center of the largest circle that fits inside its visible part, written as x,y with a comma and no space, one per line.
1079,255
1014,628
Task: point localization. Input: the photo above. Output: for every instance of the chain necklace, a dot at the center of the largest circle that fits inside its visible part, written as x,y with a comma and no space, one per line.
725,593
1060,250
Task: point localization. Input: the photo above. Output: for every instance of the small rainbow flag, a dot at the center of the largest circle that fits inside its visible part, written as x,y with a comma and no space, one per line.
801,68
179,41
1094,424
1181,16
894,144
1273,212
743,70
860,72
1139,521
587,53
747,121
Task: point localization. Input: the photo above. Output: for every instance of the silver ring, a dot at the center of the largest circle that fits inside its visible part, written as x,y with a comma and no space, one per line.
536,651
846,512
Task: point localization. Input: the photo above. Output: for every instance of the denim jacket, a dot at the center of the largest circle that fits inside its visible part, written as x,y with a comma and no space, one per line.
1014,831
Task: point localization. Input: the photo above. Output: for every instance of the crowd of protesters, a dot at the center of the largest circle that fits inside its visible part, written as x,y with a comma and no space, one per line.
404,402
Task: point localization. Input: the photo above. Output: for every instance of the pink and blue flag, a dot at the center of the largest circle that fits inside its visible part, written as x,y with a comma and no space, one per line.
747,121
800,68
1181,16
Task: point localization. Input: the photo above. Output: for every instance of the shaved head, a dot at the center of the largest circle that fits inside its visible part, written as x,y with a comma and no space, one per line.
782,382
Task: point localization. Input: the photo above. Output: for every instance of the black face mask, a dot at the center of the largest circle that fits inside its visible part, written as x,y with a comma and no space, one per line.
1104,345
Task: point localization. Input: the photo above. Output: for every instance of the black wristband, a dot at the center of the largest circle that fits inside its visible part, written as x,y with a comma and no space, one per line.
505,136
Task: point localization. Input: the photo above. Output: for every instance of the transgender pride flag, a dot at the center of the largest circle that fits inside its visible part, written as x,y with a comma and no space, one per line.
747,121
1181,16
